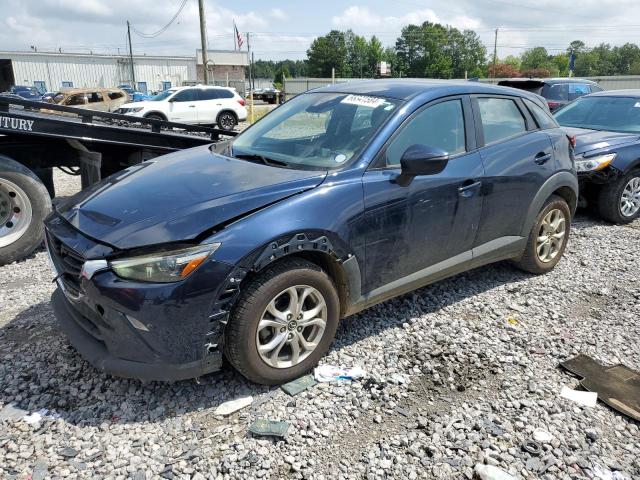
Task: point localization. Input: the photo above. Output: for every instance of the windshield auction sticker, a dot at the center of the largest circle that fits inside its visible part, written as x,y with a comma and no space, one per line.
363,101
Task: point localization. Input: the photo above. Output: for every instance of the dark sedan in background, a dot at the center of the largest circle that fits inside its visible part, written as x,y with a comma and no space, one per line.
606,127
558,92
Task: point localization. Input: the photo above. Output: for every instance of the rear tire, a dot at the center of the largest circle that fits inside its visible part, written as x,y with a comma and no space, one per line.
548,237
262,346
611,204
24,204
226,121
155,116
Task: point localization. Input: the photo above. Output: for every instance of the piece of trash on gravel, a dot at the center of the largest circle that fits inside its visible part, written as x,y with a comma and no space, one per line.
603,473
617,386
232,406
532,447
270,428
36,417
489,472
299,385
11,412
586,399
542,436
331,373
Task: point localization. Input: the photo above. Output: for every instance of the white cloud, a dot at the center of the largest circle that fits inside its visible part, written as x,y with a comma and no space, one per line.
91,7
278,14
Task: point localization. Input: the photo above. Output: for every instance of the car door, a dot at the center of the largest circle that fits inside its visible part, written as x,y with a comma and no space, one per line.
97,101
208,105
183,106
432,218
518,159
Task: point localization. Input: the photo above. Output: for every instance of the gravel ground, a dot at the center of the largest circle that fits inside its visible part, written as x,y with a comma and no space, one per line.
459,373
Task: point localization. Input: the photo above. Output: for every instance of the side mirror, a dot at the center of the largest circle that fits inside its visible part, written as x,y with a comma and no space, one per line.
423,160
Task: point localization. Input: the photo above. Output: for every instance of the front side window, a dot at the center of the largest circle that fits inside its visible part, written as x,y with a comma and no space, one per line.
557,92
78,99
440,126
115,95
95,97
163,95
316,130
188,95
501,118
543,119
615,114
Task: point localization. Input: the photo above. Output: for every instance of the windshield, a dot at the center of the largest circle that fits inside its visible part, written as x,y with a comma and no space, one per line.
316,130
615,114
163,95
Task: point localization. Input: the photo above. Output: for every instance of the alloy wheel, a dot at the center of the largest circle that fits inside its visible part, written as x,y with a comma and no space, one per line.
630,198
15,212
553,229
227,122
291,326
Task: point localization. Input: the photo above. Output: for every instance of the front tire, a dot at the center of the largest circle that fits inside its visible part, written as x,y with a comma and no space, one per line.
283,322
548,237
619,201
24,203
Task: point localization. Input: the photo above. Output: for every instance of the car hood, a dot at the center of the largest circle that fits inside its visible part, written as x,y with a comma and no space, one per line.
587,140
179,196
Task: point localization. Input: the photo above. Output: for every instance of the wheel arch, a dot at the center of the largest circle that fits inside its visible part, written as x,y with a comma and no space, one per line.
320,248
563,184
156,112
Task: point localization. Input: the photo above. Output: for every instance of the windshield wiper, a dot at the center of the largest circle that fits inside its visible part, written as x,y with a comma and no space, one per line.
252,157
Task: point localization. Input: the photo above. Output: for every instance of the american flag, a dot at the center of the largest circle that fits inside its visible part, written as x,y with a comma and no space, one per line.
239,40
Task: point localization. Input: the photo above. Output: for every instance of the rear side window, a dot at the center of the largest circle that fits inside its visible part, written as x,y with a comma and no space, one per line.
208,94
558,91
78,99
577,90
501,118
225,94
439,126
543,119
95,97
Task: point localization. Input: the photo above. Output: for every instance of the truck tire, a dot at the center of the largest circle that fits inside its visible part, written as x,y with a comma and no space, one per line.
275,336
619,201
24,203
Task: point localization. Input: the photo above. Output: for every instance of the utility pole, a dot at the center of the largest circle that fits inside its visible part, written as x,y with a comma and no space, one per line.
495,53
133,75
203,41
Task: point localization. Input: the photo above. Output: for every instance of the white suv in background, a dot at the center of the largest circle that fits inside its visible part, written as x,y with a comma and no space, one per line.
206,105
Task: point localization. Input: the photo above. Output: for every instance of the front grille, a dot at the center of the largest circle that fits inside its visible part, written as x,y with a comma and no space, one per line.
68,263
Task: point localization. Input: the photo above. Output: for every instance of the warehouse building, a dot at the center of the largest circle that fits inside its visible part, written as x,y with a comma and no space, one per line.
49,71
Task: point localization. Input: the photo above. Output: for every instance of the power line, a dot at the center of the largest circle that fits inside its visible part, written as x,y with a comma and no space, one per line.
163,29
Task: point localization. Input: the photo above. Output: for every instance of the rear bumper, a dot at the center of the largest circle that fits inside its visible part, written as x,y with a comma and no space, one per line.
95,352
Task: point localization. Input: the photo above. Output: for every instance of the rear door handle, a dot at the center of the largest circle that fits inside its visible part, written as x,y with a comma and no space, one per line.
469,188
542,158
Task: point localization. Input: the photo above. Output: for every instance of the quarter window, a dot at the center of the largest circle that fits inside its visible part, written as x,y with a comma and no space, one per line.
501,118
439,126
543,119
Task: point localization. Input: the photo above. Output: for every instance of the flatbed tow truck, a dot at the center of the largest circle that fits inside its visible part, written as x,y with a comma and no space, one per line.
36,137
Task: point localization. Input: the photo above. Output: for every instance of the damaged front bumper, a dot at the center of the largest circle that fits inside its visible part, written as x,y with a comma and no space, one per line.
148,331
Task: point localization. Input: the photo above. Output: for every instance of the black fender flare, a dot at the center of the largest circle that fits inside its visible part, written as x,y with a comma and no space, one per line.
557,181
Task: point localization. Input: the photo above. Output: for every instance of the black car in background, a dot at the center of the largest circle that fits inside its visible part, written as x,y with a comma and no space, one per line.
606,127
557,91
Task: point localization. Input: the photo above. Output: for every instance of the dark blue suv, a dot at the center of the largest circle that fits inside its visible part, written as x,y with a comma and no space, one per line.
339,199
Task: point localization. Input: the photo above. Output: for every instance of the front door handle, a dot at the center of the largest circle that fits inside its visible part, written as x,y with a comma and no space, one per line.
469,188
192,106
542,158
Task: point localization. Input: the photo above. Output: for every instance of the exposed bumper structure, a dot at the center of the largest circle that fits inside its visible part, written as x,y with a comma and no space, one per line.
96,353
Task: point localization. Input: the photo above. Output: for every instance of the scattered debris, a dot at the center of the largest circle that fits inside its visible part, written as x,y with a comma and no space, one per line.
542,436
492,428
532,447
36,417
489,472
617,386
10,412
299,385
232,406
603,473
586,399
513,321
269,428
331,373
68,452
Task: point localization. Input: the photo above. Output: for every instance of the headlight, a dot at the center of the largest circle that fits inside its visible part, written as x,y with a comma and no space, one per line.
163,267
594,163
136,109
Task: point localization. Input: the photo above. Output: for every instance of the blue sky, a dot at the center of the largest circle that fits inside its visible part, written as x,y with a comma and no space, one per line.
284,29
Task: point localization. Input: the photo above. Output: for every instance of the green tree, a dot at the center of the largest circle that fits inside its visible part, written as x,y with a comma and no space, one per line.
534,58
327,52
357,55
375,54
512,61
